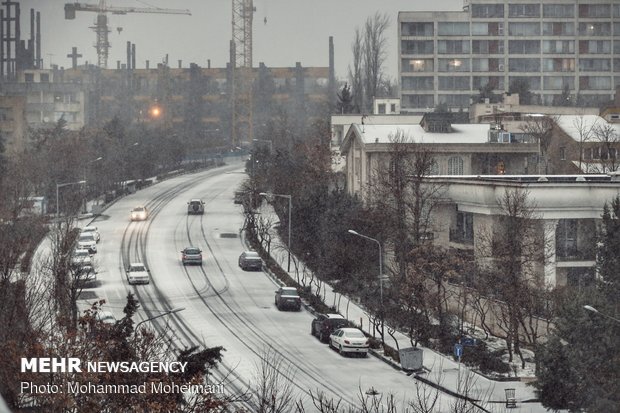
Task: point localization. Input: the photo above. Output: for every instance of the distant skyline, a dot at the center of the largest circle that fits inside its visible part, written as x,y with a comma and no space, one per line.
294,31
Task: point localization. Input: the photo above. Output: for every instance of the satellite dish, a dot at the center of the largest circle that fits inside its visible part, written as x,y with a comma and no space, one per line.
46,119
119,30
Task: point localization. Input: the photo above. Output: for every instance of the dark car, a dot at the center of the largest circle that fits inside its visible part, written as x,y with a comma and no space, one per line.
191,255
196,206
325,324
287,297
250,260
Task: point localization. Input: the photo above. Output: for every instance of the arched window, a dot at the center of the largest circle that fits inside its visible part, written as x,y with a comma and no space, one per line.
455,165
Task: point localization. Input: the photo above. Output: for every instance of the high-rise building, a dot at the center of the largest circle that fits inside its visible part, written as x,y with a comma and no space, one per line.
561,48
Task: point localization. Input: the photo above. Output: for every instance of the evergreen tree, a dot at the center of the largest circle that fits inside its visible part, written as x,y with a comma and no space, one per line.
345,100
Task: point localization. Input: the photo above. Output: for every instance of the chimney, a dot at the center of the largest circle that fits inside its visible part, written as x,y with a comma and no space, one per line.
128,55
133,56
180,63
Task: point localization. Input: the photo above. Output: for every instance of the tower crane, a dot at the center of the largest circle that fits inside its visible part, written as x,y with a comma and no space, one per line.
101,23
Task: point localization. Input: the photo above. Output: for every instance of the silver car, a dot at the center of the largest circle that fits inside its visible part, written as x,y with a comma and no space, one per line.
250,260
191,255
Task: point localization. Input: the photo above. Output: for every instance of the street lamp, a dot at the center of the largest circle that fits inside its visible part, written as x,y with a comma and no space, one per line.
265,140
60,186
290,207
174,310
380,272
594,310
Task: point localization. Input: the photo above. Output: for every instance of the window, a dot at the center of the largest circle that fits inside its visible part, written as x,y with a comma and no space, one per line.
417,65
453,29
617,46
453,65
29,77
496,81
455,165
558,29
558,46
417,83
595,46
524,10
417,29
453,46
392,107
454,83
562,153
595,65
417,47
616,10
487,46
533,81
487,10
44,78
558,10
381,108
559,65
616,65
594,10
524,65
480,65
418,101
524,29
559,82
595,83
617,29
595,29
455,101
524,46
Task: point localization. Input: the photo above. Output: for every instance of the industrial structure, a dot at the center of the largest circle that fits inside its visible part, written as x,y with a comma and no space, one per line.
552,46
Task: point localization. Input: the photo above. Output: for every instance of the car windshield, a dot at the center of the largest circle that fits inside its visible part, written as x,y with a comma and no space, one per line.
89,229
138,209
251,254
289,291
338,322
138,268
87,237
192,251
81,253
195,202
354,334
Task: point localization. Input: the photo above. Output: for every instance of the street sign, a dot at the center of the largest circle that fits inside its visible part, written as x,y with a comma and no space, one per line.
469,341
458,350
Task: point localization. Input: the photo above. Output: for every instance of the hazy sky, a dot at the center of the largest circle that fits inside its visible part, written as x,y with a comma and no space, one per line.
296,31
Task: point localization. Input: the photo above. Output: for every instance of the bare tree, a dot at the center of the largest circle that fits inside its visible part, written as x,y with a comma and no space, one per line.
375,53
356,74
584,130
609,139
273,392
541,128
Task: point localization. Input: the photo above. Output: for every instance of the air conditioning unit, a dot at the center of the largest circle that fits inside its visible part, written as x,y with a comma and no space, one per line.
500,67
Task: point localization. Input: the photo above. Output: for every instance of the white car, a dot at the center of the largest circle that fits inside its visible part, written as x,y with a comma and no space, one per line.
139,213
92,230
138,274
88,242
81,258
349,340
106,317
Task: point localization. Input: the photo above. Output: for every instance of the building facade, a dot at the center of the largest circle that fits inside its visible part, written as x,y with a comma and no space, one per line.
553,45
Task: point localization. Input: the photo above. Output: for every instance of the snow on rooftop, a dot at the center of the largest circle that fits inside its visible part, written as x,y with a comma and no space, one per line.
461,133
577,126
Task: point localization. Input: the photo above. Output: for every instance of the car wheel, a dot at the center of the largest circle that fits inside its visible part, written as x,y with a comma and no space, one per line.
340,350
312,330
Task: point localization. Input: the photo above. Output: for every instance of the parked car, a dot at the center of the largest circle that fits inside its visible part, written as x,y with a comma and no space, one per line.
139,213
196,206
81,258
349,341
250,260
105,317
138,274
191,255
86,276
287,297
325,324
87,241
92,230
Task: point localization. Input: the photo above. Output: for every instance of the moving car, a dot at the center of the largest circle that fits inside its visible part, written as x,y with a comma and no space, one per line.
250,260
349,341
80,258
92,230
87,241
191,255
138,274
139,213
196,206
287,297
325,324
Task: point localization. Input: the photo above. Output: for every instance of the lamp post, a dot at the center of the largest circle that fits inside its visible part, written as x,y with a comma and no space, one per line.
174,310
290,207
58,186
380,272
594,310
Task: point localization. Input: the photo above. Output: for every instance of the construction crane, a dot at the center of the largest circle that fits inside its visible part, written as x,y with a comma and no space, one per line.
241,65
101,23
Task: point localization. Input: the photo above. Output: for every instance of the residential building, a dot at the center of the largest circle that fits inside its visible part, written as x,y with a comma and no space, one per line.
553,45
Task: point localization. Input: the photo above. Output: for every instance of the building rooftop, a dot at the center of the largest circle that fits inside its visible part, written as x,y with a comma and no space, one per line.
461,133
572,124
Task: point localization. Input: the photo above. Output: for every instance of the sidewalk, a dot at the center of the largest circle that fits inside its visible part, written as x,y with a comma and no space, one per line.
441,371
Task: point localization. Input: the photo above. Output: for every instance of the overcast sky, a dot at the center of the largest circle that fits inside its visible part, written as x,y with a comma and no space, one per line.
295,31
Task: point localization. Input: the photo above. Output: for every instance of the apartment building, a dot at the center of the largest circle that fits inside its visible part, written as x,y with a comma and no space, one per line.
553,45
